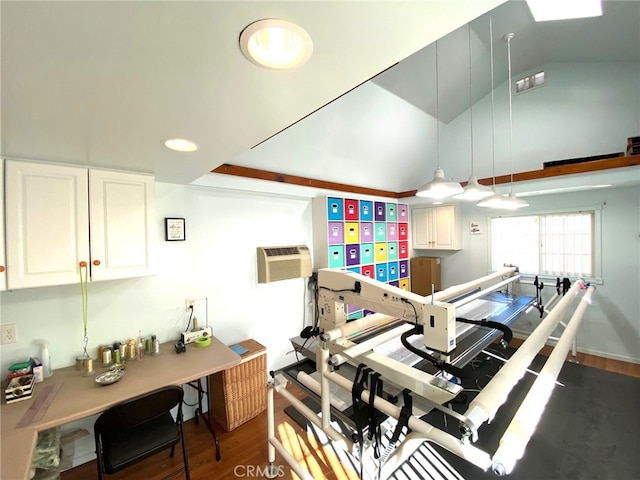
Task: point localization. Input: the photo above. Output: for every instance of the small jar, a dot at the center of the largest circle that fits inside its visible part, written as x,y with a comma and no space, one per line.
80,362
106,356
100,351
131,350
87,367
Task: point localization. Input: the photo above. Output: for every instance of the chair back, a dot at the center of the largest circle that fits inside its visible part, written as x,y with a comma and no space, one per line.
135,411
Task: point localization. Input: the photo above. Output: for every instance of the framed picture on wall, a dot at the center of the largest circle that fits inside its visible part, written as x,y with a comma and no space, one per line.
174,229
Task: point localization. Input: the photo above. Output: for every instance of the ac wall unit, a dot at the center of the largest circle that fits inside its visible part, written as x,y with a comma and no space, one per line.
282,263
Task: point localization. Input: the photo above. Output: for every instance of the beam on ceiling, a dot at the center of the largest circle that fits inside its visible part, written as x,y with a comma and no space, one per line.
549,172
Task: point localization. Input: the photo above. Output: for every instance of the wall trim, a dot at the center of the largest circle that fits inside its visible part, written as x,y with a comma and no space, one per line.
549,172
228,169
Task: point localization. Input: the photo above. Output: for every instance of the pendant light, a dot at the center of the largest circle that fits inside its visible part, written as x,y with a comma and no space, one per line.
513,202
438,188
496,200
473,190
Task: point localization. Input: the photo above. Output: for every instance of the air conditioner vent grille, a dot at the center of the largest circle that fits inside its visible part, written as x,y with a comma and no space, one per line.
277,252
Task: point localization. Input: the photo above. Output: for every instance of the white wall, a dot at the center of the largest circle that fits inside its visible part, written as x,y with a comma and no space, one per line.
584,109
217,261
611,327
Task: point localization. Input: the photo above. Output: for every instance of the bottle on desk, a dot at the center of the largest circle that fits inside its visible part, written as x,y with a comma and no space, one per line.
140,348
45,358
132,349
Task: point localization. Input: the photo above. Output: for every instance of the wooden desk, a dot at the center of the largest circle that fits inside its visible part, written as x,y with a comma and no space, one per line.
79,397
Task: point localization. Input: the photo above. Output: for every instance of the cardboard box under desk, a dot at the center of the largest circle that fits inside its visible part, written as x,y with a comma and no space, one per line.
240,393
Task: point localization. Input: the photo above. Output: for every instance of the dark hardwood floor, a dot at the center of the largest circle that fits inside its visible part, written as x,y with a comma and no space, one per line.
244,450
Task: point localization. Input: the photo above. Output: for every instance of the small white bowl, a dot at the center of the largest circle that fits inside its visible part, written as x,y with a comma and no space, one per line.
110,377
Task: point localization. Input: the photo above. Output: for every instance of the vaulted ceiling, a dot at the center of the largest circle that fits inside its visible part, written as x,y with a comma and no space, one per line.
105,83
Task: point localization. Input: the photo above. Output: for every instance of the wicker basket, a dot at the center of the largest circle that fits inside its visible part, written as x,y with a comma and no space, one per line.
240,393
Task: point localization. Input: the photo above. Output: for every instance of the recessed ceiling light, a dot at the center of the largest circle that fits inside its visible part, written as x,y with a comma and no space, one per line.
181,145
546,10
276,44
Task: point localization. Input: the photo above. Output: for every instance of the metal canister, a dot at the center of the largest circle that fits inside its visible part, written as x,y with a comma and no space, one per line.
132,352
156,345
87,367
148,346
80,362
101,351
106,356
123,351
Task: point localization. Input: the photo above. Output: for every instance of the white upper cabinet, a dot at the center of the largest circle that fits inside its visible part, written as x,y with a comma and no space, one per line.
121,230
3,264
48,232
435,228
47,229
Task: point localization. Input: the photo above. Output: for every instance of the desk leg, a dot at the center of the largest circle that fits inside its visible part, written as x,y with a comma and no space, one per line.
206,418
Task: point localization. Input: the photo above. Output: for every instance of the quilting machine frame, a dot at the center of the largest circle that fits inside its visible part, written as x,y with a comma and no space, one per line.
438,321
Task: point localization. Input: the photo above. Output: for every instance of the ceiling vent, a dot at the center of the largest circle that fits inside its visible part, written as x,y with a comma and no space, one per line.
282,263
529,83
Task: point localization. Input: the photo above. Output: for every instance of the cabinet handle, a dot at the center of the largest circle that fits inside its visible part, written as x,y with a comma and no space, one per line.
1,268
83,264
96,262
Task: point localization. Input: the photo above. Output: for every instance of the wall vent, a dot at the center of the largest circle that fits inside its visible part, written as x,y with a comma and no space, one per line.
282,263
529,83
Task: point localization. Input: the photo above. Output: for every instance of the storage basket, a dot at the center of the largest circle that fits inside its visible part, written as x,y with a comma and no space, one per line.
240,393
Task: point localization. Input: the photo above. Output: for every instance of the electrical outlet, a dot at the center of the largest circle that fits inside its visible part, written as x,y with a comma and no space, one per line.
9,333
189,303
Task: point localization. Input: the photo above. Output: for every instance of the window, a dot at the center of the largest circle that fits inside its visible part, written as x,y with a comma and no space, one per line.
550,245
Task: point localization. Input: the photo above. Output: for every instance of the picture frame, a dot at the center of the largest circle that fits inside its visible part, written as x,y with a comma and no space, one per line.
174,229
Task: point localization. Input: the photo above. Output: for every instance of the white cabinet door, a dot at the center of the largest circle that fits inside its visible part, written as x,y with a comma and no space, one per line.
421,227
435,228
121,230
3,264
443,223
47,223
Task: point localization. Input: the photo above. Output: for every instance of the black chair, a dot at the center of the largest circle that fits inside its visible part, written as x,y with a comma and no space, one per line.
139,428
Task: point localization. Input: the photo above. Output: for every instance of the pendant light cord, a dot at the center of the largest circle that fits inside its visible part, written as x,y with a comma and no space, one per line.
470,100
493,135
437,114
509,37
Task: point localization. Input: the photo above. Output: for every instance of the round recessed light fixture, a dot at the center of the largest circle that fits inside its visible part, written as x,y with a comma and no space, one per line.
276,44
181,145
